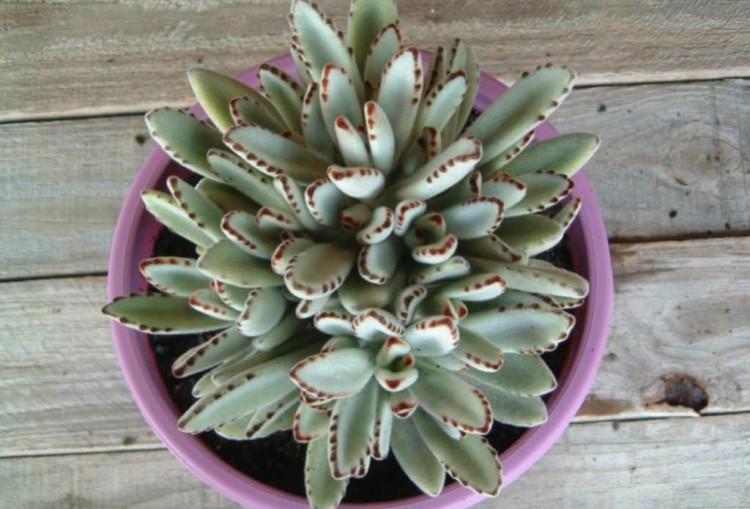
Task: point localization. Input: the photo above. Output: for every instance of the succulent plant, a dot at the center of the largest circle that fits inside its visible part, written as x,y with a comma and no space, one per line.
367,264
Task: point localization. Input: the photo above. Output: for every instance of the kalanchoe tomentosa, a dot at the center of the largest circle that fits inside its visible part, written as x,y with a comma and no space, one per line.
366,262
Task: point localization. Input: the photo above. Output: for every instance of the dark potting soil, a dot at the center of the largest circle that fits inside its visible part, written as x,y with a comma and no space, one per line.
278,460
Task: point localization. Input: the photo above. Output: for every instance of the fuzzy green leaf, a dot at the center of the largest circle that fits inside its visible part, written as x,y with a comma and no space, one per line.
564,155
522,329
161,314
415,458
524,106
471,460
228,263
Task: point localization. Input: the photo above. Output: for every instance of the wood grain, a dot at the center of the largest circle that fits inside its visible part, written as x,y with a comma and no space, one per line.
59,370
62,186
76,58
633,464
667,150
674,158
681,324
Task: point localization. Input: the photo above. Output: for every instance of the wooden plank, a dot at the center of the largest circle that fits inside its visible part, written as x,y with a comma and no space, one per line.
58,369
77,58
685,463
666,148
679,331
63,184
60,384
674,158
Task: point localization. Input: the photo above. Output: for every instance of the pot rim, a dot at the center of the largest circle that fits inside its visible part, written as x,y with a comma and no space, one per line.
133,240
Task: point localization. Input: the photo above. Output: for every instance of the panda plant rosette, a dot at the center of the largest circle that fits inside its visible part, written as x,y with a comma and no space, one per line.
367,270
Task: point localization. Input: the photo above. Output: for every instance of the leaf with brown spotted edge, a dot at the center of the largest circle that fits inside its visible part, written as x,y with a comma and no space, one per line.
531,234
366,22
379,228
309,424
273,154
522,328
383,48
567,214
166,210
526,375
246,392
334,323
442,102
350,432
376,324
214,91
503,158
474,218
477,287
564,154
264,308
284,93
471,461
545,280
325,202
431,336
318,271
381,439
320,43
359,183
528,103
514,409
356,294
237,173
245,232
161,314
415,457
351,144
173,275
322,490
441,172
226,197
220,348
453,268
313,124
437,252
380,137
491,248
199,209
185,138
273,417
228,263
400,92
208,302
543,190
505,188
478,353
336,374
407,301
339,98
451,399
377,263
255,357
286,330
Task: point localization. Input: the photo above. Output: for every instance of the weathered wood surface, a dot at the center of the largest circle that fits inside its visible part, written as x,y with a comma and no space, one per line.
667,150
60,371
76,57
62,186
685,463
680,328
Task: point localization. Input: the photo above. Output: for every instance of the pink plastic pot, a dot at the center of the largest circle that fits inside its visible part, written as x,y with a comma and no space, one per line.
134,239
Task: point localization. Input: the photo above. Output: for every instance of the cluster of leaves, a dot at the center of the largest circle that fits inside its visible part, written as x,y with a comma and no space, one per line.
367,264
